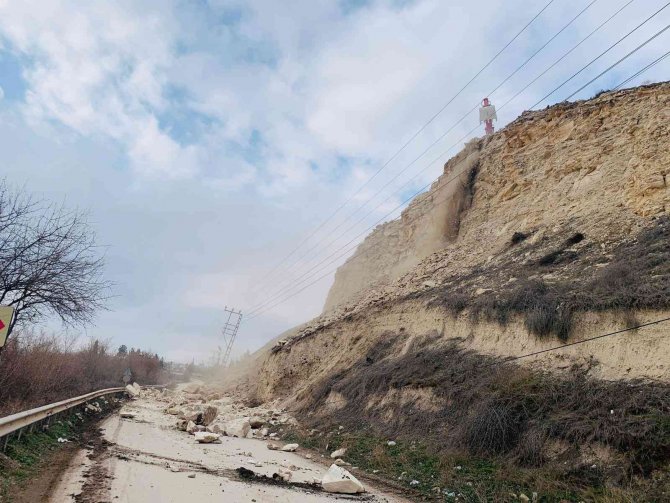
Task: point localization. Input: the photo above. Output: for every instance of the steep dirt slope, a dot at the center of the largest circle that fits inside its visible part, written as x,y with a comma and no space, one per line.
555,228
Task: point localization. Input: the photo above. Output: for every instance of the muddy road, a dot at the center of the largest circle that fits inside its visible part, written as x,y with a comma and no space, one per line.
146,459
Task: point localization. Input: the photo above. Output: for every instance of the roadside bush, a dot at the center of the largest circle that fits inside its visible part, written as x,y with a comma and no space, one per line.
37,369
491,408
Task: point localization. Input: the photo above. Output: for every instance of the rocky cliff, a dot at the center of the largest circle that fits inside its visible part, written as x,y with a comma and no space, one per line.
555,228
598,167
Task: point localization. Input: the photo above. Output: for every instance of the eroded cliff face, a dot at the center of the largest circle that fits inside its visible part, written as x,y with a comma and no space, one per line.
599,167
428,224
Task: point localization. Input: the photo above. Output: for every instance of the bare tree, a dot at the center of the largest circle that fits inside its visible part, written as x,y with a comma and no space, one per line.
49,261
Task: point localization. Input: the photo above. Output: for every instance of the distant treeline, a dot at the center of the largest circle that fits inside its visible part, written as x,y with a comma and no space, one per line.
38,369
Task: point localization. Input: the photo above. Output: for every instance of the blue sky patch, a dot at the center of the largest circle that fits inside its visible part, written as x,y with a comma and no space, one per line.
11,78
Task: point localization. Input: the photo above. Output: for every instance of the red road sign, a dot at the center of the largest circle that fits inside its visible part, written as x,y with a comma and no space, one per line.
5,320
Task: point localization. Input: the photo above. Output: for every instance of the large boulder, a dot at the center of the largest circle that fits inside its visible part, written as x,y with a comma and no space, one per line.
339,480
209,415
238,428
217,427
132,391
137,387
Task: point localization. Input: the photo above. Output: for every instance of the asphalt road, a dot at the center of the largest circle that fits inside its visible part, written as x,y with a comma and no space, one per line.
145,459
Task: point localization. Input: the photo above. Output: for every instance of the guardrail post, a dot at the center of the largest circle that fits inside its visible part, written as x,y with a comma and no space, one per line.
4,444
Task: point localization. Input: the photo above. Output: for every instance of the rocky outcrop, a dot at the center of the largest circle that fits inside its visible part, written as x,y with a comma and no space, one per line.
557,227
599,166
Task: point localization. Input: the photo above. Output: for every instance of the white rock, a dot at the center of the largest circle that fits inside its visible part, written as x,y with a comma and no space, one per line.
132,391
264,432
205,437
341,462
338,453
137,387
190,427
290,447
390,443
216,428
339,480
238,428
285,474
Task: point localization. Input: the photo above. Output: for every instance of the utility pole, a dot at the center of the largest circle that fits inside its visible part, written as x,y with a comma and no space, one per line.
487,114
229,331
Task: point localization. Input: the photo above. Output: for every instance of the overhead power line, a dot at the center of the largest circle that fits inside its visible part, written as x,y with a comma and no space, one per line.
319,244
406,144
640,72
292,283
657,34
603,53
575,343
509,359
271,302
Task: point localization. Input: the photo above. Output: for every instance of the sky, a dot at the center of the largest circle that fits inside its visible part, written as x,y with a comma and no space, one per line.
208,139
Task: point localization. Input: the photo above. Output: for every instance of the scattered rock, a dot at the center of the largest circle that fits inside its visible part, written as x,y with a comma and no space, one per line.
216,428
191,475
341,462
256,422
238,428
190,427
391,443
192,388
209,415
414,483
524,498
290,447
127,414
339,480
205,437
338,453
273,447
285,474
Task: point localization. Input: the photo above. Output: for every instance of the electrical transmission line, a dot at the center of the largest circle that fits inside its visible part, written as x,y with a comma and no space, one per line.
264,307
292,283
319,244
402,148
640,72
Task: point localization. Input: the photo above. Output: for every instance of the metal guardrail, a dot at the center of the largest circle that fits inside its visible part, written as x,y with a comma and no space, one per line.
20,420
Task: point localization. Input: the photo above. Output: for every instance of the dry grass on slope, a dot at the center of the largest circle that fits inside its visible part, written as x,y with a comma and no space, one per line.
500,412
557,279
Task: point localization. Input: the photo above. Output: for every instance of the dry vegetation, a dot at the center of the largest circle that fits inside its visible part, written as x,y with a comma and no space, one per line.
554,282
41,369
504,414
